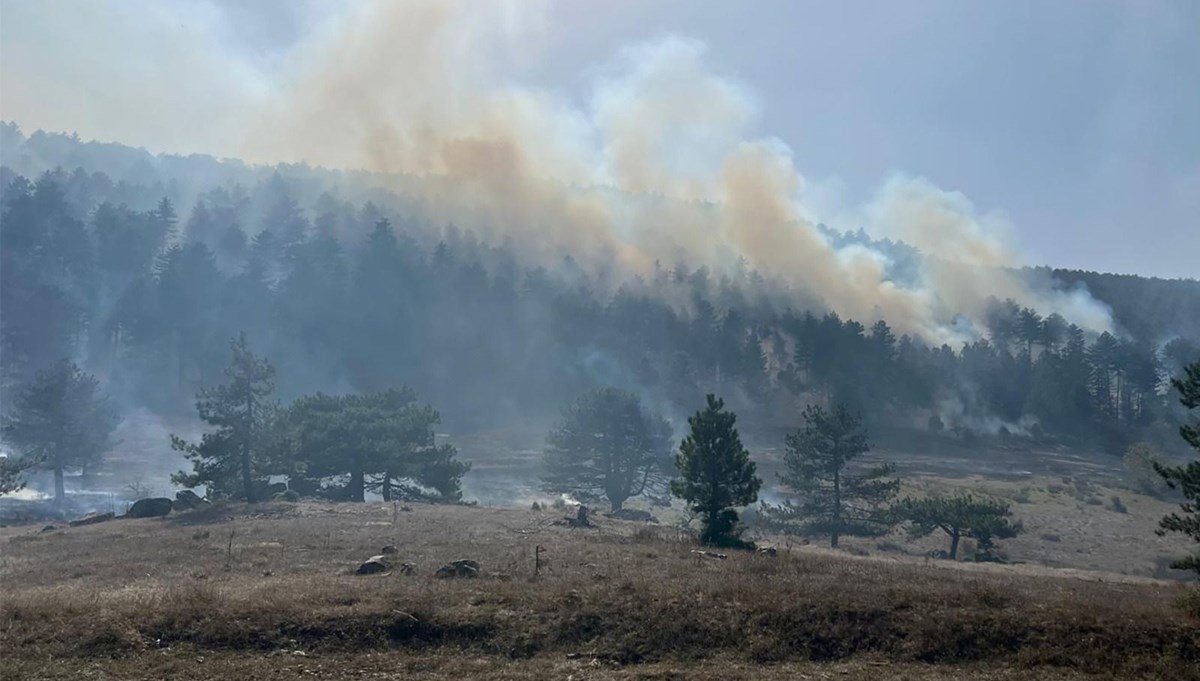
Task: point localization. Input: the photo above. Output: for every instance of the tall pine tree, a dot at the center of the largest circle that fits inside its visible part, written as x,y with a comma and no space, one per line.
717,473
233,454
833,499
1186,478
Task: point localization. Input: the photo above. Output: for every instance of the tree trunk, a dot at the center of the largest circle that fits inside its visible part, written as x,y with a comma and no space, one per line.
837,509
954,537
356,486
385,487
60,490
616,503
247,479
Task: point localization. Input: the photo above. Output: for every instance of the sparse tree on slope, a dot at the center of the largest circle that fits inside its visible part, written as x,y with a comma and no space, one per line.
964,515
717,473
607,446
242,412
60,420
832,499
1186,478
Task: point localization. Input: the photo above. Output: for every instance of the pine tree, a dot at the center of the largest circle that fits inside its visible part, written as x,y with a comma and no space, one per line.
717,473
60,420
241,410
380,440
960,516
607,446
1186,478
832,499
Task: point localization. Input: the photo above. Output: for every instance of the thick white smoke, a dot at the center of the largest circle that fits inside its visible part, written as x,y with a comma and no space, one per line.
658,162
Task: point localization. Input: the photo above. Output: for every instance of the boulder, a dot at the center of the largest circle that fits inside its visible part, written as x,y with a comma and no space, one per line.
154,507
374,565
91,519
459,568
186,500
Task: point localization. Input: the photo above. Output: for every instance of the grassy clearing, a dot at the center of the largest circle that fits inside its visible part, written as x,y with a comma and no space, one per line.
245,588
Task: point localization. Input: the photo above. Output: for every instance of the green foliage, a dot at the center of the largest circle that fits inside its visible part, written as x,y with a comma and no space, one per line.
716,473
832,498
1186,478
59,420
960,516
231,458
606,445
12,470
382,440
1139,462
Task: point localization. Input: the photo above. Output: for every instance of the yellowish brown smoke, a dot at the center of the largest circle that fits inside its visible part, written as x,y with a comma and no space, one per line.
658,166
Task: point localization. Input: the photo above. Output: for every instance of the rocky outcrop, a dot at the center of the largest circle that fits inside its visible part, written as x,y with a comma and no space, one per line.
186,500
458,568
155,507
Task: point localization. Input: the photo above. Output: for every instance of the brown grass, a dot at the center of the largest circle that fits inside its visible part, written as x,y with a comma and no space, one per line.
146,598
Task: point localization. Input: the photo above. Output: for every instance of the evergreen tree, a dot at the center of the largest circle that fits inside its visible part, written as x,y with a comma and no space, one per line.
1186,478
717,473
60,420
241,410
832,499
607,446
964,515
385,435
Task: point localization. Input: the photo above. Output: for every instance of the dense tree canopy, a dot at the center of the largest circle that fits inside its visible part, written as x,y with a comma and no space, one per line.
140,267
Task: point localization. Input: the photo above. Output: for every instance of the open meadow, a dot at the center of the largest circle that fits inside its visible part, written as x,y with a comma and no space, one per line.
270,591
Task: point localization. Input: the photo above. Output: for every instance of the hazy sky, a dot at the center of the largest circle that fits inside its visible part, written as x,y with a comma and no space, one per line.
1079,121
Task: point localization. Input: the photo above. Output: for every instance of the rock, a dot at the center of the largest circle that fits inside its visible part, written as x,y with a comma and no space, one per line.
389,549
633,514
374,565
186,500
91,519
155,507
459,568
770,551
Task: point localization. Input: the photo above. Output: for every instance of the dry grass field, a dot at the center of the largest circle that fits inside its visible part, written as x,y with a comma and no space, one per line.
269,592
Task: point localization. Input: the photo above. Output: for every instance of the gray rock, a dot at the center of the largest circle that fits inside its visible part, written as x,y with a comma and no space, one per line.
155,507
91,519
374,565
186,500
459,568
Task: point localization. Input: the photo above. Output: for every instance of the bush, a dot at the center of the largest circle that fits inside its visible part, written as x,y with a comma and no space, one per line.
1139,463
1117,505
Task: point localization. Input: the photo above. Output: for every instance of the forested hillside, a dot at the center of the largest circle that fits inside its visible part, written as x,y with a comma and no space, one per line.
141,268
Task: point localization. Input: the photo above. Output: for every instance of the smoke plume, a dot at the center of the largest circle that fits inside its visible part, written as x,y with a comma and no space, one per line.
659,162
